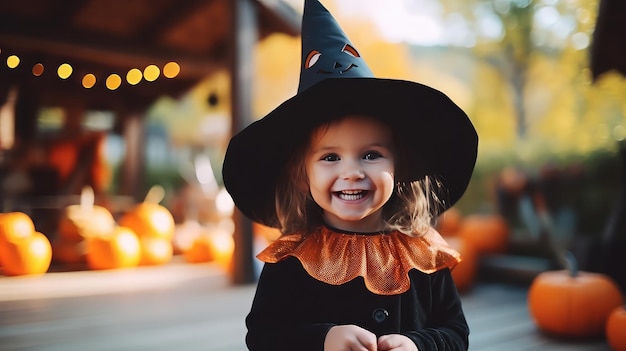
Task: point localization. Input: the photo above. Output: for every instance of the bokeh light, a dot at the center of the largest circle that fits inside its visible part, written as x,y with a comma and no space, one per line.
38,69
151,73
89,80
113,81
134,76
171,69
65,71
13,61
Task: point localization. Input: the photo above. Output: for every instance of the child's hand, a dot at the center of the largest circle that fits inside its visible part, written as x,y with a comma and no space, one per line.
395,342
350,338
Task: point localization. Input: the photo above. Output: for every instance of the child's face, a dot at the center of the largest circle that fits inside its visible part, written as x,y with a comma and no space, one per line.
350,167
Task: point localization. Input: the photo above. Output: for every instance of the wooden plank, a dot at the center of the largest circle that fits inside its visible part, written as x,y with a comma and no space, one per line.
195,307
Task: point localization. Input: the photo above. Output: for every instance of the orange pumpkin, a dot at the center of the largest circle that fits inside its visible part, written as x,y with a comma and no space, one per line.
223,245
155,251
488,233
68,251
464,274
616,329
213,245
120,249
200,250
85,219
449,222
149,218
572,303
30,255
14,226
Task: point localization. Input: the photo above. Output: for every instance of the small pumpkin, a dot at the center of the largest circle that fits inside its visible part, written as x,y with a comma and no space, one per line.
85,219
572,303
155,251
488,233
200,250
29,255
149,218
616,329
464,273
184,235
119,249
213,245
15,225
68,251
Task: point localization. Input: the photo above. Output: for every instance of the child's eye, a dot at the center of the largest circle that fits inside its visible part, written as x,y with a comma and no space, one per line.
330,157
372,155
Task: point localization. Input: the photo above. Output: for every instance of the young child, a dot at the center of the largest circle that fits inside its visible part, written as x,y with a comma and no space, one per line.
352,170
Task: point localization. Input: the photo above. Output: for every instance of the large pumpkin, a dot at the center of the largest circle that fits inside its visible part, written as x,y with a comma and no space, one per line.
120,249
616,329
488,233
571,303
29,255
149,218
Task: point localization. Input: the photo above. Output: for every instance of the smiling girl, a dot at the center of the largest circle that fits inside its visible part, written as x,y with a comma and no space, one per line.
352,170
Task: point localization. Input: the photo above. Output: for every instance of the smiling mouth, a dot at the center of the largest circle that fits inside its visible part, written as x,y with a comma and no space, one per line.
351,195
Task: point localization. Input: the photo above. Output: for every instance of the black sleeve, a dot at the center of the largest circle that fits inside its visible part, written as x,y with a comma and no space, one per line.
446,327
277,319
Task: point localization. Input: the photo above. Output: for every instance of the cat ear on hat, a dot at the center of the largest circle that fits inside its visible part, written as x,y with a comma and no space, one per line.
326,50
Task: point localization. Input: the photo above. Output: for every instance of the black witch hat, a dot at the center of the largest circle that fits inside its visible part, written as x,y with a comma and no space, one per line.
436,135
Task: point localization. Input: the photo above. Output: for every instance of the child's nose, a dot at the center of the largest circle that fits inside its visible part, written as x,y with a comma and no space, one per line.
352,171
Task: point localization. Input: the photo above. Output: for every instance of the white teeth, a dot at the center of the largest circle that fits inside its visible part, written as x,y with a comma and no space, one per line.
351,195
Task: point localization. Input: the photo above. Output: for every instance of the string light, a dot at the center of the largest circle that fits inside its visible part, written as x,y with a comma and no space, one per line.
134,76
151,73
13,61
38,69
65,71
113,81
89,80
171,69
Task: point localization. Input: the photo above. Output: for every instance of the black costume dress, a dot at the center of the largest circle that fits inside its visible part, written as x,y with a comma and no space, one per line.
387,283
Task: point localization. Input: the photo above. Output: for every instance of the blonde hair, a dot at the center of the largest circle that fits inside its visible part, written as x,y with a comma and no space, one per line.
410,210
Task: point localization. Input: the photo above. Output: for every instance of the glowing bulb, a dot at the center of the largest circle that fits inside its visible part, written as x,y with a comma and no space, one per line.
13,61
151,73
134,76
89,80
65,71
113,81
37,69
171,69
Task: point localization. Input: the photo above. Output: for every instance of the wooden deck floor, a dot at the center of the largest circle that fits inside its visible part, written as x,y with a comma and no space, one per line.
193,307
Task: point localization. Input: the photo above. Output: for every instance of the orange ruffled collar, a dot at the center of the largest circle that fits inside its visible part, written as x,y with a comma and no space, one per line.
383,260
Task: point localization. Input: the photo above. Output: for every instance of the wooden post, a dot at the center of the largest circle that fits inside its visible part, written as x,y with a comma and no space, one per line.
244,41
134,159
